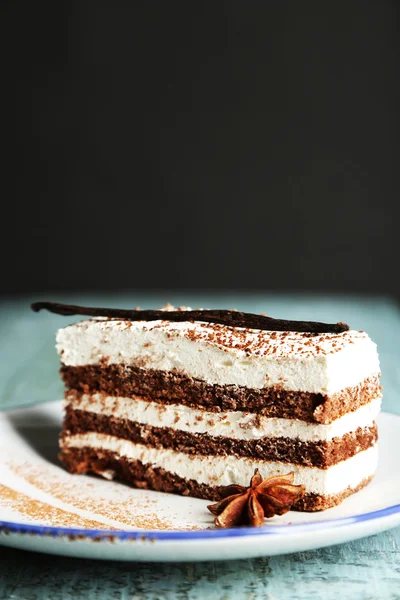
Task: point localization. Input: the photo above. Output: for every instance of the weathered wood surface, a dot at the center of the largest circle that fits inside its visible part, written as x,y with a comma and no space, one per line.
367,569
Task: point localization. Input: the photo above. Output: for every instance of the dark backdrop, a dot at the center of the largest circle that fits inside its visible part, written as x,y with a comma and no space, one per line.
200,145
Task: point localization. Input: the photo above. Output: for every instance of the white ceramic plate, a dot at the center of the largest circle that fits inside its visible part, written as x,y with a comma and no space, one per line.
44,508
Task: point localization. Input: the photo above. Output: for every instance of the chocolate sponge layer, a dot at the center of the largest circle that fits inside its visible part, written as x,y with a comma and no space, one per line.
321,454
173,388
137,474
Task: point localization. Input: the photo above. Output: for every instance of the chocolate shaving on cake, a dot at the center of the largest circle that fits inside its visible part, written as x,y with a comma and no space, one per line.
230,318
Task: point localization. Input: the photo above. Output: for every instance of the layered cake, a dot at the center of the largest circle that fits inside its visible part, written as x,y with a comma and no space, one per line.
189,401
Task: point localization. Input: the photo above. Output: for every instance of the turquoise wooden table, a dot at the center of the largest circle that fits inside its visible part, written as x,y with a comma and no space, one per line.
367,569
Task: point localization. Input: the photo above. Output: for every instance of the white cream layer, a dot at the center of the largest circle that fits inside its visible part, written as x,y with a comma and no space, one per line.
232,424
217,470
222,355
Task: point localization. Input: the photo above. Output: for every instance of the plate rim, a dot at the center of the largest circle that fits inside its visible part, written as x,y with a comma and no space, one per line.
162,535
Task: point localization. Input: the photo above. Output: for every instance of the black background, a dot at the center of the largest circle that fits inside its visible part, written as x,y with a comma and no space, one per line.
204,145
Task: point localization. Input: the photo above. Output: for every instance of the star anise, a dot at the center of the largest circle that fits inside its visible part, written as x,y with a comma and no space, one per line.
263,498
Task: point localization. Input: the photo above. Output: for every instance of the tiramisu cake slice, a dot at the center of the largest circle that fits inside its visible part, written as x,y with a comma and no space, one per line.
188,401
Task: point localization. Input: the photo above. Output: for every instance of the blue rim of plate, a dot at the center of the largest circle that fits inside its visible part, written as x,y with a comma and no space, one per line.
151,535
